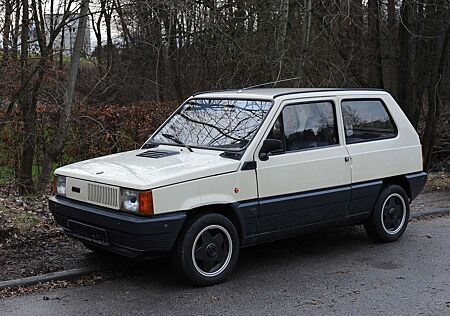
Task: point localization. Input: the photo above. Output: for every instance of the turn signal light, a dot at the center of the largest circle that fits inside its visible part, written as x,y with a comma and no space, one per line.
146,203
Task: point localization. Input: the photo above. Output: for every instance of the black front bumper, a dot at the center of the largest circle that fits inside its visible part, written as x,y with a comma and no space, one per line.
126,234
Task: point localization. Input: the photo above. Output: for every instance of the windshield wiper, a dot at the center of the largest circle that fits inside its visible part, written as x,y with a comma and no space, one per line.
176,140
150,144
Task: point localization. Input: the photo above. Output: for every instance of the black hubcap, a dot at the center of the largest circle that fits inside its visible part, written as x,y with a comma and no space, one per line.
393,213
211,250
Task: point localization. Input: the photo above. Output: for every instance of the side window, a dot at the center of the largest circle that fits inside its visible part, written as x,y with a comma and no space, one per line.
277,132
366,120
309,125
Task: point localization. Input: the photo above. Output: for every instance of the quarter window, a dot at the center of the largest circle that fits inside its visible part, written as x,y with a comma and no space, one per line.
366,120
309,125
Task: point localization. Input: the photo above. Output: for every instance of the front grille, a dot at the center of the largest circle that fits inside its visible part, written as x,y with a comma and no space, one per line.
103,195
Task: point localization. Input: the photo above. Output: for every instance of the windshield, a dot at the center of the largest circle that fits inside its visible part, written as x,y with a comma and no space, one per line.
223,124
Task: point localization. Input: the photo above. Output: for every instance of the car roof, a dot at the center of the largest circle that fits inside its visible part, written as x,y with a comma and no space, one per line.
272,93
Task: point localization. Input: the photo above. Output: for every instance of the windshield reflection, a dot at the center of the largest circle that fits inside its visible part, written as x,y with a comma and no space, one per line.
224,123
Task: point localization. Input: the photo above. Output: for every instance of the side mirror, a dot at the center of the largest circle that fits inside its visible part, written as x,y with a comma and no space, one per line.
269,145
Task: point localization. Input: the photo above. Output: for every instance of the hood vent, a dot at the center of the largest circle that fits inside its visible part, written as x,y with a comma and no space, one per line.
157,153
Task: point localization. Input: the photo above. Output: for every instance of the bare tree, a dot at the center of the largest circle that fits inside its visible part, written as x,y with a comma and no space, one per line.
375,70
439,51
27,109
155,50
57,144
7,29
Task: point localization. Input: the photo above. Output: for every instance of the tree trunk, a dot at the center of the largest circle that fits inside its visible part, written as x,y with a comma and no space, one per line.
52,26
167,20
306,29
109,42
15,33
282,36
439,64
348,41
284,17
306,24
62,45
392,32
407,60
96,26
7,30
375,78
126,33
57,145
27,112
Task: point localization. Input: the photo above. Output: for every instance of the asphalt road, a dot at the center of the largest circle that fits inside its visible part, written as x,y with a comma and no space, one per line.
335,272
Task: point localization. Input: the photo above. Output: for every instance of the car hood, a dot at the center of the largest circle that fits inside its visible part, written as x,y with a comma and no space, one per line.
129,170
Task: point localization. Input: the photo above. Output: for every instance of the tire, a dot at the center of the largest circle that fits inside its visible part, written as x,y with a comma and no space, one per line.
390,215
207,249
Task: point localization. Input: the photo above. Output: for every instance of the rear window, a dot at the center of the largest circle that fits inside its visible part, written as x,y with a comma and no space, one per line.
366,120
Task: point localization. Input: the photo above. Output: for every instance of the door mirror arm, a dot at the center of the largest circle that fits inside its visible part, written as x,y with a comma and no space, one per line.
263,156
269,145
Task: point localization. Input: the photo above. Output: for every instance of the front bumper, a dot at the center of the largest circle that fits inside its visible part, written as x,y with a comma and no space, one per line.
126,234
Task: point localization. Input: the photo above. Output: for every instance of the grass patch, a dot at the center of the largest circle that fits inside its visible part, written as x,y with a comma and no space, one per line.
18,220
6,175
439,181
23,217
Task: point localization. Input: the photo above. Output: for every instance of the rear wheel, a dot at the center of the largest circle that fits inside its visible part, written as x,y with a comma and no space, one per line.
390,216
207,250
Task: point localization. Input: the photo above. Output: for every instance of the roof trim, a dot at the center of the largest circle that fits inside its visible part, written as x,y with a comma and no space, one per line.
326,90
280,94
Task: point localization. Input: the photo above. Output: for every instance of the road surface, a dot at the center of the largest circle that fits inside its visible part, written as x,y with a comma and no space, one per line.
335,272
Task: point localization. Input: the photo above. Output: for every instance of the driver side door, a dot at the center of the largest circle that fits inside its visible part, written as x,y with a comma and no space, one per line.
307,181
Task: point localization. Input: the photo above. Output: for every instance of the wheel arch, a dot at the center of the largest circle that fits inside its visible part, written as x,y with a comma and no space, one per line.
401,181
227,210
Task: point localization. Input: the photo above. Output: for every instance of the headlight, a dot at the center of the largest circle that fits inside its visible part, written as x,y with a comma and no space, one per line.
60,183
130,200
136,201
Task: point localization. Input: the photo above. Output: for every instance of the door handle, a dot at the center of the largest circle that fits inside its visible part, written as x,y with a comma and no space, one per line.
347,159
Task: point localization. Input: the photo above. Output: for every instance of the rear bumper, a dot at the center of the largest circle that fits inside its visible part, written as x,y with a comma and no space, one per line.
126,234
416,183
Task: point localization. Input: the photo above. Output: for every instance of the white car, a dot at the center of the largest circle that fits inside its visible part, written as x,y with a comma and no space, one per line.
230,169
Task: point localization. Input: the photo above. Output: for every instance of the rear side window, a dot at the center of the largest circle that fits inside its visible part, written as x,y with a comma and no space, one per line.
309,125
366,120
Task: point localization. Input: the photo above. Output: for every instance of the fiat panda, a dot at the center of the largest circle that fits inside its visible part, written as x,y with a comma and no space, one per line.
231,169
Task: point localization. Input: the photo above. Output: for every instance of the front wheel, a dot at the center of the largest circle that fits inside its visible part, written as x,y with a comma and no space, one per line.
390,215
207,250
